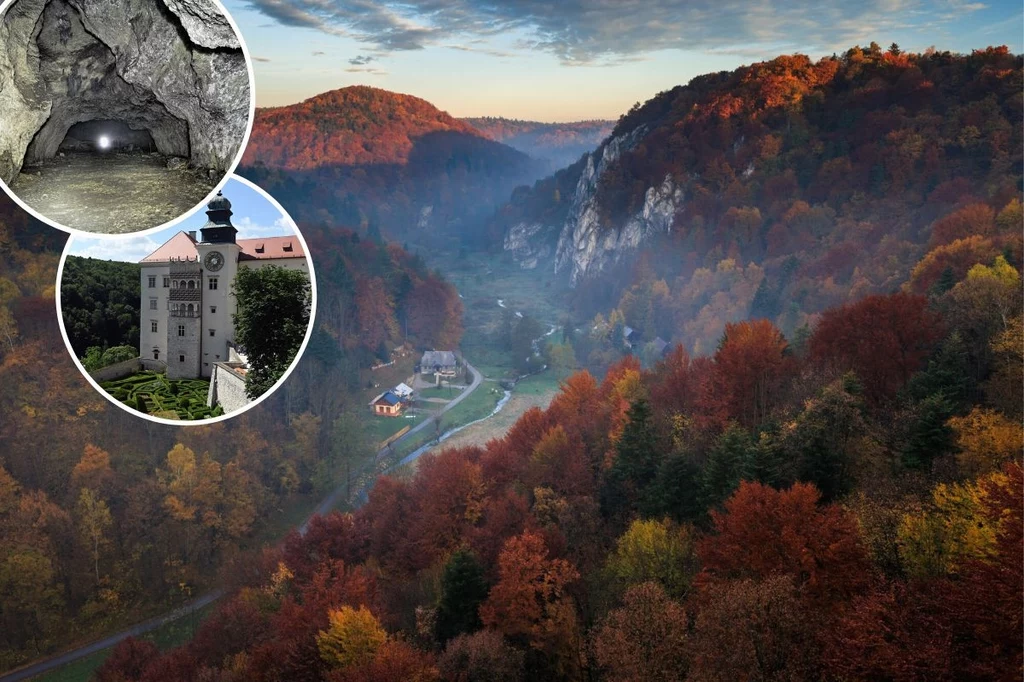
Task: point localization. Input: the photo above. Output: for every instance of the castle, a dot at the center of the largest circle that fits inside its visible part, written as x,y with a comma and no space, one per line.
187,302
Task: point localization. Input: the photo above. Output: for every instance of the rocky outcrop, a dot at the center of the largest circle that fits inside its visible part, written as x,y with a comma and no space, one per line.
23,106
175,70
530,243
586,246
205,24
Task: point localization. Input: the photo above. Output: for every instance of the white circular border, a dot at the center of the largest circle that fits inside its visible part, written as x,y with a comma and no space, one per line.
228,174
223,417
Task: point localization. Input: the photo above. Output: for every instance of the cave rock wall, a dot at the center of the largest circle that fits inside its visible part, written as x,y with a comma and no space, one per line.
172,67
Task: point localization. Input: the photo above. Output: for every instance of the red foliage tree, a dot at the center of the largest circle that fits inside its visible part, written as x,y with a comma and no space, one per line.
127,661
751,367
973,219
530,600
883,339
394,660
764,532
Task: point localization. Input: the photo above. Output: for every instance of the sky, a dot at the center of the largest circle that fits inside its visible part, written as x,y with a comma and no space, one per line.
254,216
565,60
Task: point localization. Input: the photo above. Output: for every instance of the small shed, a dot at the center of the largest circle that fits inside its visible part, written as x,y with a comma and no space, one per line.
402,390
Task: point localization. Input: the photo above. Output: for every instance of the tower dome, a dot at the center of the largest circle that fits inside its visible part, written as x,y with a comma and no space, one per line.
218,227
219,203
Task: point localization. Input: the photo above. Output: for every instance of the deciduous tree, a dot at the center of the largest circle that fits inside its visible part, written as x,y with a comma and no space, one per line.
644,640
352,638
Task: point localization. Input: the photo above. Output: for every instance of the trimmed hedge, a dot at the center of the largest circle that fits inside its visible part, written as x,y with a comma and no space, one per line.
152,393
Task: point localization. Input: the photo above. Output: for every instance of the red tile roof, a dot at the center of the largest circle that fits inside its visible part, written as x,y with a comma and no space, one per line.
182,246
179,246
271,247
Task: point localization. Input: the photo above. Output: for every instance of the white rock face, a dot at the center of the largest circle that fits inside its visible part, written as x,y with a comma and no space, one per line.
426,213
529,243
585,245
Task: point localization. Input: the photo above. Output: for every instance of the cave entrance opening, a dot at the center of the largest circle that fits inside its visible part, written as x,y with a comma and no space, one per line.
106,137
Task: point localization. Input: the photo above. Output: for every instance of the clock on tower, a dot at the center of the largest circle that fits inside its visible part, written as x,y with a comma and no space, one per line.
214,261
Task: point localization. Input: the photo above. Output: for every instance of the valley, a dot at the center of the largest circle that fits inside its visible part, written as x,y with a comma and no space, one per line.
752,358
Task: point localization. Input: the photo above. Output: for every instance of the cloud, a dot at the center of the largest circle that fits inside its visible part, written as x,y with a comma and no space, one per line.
361,60
261,59
249,229
124,249
318,53
371,71
609,31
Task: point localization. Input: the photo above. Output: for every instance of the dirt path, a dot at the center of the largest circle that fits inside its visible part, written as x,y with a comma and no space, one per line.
110,193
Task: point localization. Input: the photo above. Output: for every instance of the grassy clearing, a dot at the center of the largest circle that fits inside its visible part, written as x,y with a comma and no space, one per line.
446,392
477,405
378,428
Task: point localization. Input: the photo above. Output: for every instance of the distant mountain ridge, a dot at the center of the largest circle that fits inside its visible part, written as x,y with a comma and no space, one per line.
560,143
359,156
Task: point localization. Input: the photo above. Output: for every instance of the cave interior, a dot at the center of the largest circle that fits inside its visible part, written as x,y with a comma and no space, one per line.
90,101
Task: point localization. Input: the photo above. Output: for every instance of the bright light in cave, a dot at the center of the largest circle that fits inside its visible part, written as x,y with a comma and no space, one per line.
104,142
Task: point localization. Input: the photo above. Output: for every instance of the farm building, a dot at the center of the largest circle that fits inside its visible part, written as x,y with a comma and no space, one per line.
387,404
442,364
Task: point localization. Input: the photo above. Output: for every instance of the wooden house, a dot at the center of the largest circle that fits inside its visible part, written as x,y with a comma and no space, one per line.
387,404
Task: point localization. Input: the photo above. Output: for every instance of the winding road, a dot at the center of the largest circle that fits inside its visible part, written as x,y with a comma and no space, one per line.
325,506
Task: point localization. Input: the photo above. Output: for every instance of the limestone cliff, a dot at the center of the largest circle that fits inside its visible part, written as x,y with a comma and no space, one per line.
583,245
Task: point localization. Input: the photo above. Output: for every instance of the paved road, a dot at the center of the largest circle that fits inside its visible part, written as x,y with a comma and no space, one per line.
329,502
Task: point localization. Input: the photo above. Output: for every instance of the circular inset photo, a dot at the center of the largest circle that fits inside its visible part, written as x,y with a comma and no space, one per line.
120,116
195,323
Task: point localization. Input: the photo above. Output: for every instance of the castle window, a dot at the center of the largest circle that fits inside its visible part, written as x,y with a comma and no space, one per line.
167,282
156,353
181,358
181,330
152,326
213,283
213,332
152,304
213,309
190,309
152,281
191,284
174,284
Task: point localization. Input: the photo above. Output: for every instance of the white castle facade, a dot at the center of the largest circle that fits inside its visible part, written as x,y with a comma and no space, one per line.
187,301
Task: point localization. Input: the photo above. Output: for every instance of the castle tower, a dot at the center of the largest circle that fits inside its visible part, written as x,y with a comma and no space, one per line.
184,319
218,260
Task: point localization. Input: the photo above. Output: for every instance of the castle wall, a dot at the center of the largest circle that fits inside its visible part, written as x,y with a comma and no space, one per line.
227,389
116,371
153,344
183,348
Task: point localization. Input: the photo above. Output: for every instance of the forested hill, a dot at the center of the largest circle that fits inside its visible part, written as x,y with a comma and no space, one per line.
100,303
352,126
785,187
558,143
360,156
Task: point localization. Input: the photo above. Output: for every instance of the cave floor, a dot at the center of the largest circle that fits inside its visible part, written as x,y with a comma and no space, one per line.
111,193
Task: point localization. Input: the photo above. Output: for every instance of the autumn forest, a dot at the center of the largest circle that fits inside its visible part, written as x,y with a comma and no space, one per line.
815,475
